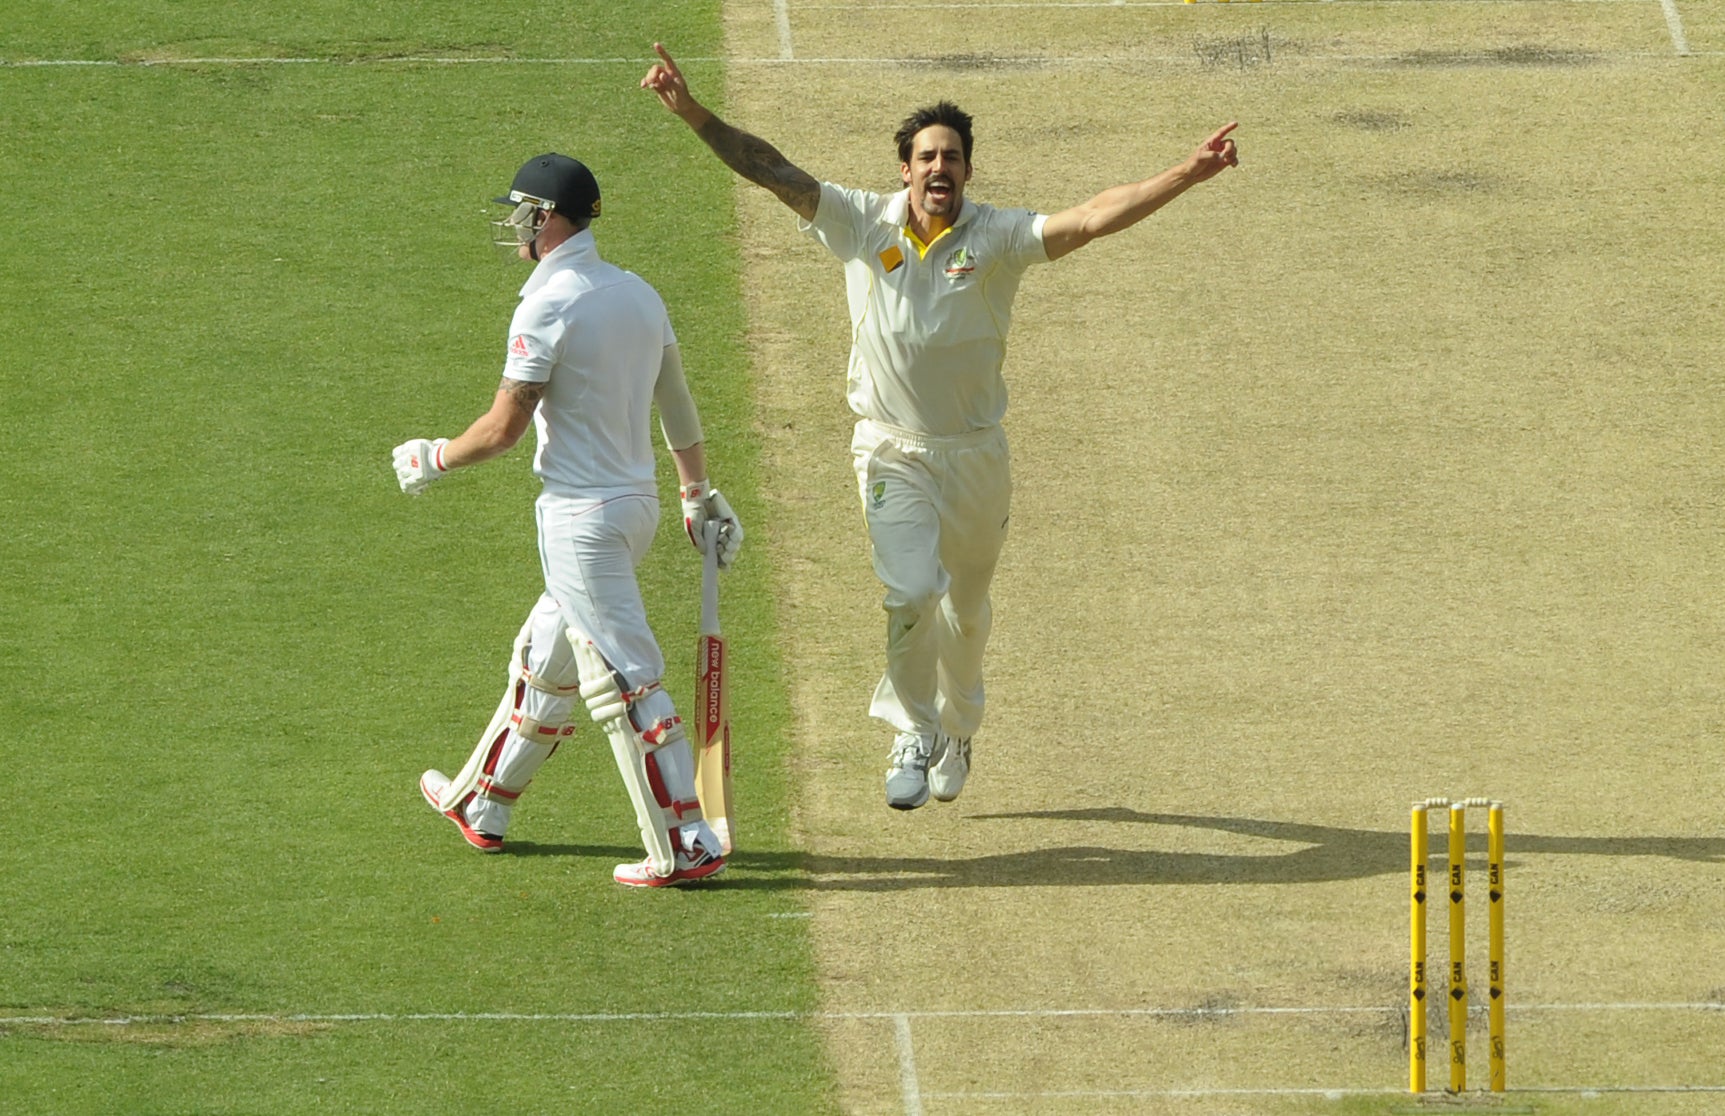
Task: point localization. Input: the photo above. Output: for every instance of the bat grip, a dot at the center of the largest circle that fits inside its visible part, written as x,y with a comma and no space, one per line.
710,579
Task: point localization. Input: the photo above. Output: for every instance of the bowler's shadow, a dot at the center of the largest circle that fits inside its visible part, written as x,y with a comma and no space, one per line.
1313,854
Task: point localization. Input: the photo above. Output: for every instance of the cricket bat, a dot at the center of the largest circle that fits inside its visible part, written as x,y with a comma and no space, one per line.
713,747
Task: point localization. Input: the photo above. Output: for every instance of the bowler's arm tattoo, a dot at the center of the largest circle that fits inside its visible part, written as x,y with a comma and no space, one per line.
761,163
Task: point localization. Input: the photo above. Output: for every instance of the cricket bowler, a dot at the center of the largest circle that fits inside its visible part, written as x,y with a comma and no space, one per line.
930,278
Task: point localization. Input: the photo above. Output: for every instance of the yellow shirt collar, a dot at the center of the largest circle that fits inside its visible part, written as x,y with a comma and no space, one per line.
921,248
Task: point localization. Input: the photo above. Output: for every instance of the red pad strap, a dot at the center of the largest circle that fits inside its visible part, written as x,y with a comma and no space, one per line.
496,793
543,733
656,783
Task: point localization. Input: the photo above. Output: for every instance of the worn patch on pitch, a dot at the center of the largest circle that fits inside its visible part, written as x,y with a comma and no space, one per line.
1372,120
1242,51
968,63
164,1032
1523,54
1438,182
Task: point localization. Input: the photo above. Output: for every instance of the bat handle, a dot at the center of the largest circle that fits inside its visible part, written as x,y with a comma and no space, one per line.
710,579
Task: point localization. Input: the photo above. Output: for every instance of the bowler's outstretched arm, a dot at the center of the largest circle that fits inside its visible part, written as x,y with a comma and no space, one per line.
1124,206
750,156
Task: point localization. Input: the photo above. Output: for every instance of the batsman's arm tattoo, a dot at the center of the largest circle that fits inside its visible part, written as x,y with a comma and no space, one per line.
761,163
524,394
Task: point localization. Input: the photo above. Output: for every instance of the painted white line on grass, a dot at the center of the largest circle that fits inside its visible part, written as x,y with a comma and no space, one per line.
908,1086
1675,23
1699,1005
1330,1094
782,17
1103,1094
1141,60
1184,1013
1138,60
938,5
400,1017
417,60
1229,1012
1596,1090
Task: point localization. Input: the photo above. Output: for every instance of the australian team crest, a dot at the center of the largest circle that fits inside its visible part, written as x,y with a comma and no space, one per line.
877,494
960,263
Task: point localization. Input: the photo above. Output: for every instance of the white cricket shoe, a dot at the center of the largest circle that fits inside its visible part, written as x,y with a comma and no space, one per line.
696,860
431,786
907,776
948,767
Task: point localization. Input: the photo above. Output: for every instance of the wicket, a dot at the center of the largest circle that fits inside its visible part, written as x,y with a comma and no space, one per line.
1458,1000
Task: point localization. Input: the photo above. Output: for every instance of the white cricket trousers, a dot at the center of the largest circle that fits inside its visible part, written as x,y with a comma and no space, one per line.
937,510
589,549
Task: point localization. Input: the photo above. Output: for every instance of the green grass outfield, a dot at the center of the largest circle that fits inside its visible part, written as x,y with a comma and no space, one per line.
230,644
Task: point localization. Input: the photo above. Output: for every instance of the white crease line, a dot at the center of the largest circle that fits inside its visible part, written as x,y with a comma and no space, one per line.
1141,60
1225,1012
1675,23
907,1083
1027,61
425,60
402,1017
1103,1094
1057,5
782,18
924,5
1705,1006
1315,1091
910,1085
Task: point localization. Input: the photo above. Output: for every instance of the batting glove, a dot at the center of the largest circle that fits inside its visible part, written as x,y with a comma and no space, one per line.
418,463
703,504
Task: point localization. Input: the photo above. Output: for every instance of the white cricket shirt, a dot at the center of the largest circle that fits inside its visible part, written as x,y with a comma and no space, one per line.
595,335
928,323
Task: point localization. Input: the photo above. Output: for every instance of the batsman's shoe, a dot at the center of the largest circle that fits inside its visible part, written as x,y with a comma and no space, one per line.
949,767
907,776
431,785
695,861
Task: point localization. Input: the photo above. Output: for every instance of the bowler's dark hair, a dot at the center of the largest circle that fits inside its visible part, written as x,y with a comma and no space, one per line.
945,113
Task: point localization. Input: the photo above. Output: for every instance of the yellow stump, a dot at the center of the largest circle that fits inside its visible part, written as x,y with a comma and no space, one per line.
1458,948
1417,953
1494,862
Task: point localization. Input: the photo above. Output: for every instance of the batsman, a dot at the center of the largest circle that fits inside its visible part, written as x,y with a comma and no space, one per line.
590,352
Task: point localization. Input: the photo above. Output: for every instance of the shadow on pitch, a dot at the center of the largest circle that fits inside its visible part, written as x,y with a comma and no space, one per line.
1312,854
608,853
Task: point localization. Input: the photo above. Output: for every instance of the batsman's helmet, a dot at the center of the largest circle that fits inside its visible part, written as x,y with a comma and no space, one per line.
557,183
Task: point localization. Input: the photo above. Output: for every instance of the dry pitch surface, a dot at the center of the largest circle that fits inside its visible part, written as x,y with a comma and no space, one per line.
1386,466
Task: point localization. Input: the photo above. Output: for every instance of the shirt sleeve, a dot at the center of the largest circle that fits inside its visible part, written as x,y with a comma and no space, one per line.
840,220
679,418
535,335
1022,238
